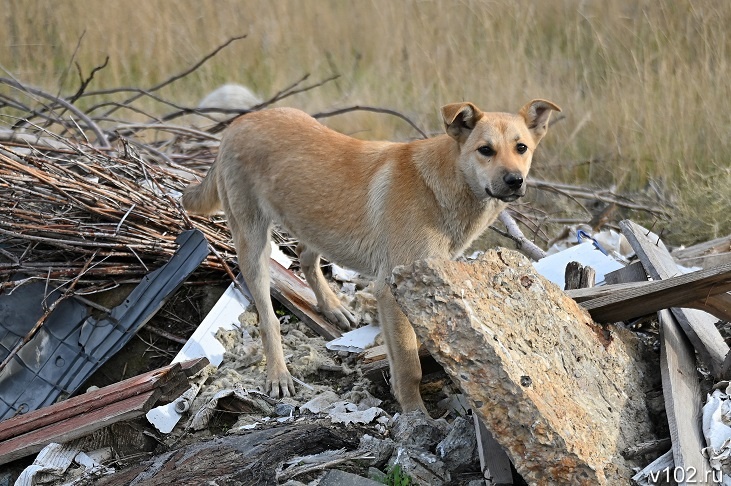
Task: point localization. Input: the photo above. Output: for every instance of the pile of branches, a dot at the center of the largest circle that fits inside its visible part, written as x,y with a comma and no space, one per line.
105,217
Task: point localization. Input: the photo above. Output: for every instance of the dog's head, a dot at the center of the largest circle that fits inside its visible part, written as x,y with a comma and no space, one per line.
496,149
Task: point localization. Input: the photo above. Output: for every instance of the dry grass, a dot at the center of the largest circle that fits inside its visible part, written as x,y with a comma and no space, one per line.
644,84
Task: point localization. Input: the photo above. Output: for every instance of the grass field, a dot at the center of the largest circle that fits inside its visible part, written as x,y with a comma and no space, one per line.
645,85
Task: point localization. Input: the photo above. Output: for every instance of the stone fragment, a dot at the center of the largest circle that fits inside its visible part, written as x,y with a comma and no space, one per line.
380,449
416,430
423,467
561,394
458,449
335,477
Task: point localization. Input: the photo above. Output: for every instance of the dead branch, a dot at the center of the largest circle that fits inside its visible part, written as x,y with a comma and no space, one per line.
180,75
574,192
101,139
514,233
372,109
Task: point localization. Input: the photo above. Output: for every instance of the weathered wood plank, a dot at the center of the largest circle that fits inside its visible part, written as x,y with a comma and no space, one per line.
707,254
619,302
634,272
494,461
698,326
683,404
81,415
82,404
298,297
77,426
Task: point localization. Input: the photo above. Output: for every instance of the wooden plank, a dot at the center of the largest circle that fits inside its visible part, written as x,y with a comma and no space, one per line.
656,472
719,305
378,364
706,255
76,426
298,297
683,404
494,462
700,327
86,403
634,272
613,303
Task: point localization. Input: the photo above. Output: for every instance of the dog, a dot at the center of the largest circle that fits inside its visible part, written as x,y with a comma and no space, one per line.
367,205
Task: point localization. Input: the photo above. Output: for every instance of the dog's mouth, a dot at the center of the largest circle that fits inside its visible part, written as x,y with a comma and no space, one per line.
509,198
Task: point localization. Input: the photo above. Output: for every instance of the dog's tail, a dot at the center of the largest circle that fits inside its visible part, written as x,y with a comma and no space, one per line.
203,198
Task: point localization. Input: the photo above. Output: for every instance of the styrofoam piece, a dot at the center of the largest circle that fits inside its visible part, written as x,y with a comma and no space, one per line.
279,256
224,315
553,267
355,341
342,274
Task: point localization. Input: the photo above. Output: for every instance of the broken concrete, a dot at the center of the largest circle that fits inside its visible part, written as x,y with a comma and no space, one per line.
416,430
422,466
458,450
562,395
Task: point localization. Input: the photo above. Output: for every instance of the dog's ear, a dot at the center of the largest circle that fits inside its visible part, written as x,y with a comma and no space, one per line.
536,115
460,119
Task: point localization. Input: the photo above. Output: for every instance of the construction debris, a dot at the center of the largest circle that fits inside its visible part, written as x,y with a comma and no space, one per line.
81,415
44,357
93,204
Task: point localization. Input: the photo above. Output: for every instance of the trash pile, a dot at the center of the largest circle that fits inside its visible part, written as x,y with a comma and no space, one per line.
91,204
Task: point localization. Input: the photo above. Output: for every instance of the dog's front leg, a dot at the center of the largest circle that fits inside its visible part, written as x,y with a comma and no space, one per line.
403,350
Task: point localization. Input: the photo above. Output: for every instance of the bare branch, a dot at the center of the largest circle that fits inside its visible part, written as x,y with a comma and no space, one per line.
101,139
372,109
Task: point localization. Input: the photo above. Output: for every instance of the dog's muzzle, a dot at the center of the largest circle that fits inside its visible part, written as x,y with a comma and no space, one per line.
514,188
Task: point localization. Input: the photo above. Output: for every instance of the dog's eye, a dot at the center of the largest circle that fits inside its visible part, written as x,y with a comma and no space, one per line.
486,150
521,148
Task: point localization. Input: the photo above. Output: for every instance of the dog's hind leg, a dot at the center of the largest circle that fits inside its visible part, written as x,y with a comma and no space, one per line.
403,350
327,301
251,229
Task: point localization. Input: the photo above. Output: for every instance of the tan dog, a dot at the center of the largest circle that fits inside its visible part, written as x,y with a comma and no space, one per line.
369,206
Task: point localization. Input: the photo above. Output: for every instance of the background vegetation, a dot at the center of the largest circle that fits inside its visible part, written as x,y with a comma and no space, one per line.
644,85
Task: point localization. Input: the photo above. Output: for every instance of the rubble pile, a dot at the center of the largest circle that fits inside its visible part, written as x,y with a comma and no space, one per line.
526,383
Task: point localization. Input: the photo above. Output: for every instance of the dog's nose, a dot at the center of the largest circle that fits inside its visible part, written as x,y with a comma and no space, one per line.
513,180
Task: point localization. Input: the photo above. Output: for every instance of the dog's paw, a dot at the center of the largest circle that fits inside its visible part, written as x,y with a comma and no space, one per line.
341,316
279,384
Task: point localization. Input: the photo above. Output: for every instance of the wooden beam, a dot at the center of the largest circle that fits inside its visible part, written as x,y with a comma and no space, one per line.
683,399
619,302
634,272
700,327
298,297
